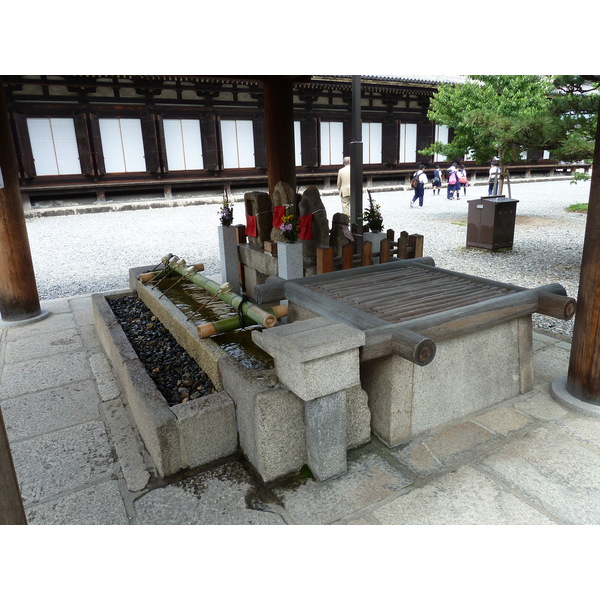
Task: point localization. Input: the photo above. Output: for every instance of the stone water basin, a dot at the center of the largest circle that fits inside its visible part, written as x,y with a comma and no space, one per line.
188,297
251,411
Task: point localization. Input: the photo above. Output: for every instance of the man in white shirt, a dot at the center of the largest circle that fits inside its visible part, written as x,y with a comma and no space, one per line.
420,189
494,172
343,183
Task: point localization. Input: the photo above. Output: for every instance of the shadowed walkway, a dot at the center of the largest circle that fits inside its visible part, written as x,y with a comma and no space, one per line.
79,459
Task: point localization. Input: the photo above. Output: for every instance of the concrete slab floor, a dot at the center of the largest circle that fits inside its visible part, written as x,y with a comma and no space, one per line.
79,461
71,440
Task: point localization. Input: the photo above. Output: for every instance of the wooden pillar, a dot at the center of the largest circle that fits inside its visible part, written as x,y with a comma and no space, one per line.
279,130
11,503
583,380
19,298
356,164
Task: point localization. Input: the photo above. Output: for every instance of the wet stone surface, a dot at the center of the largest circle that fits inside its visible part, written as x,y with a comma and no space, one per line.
199,306
173,370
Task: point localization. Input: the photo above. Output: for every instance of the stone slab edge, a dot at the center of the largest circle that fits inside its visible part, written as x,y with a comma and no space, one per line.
204,351
160,429
558,390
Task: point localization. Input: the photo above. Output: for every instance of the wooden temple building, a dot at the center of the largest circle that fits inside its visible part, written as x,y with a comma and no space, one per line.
67,136
98,136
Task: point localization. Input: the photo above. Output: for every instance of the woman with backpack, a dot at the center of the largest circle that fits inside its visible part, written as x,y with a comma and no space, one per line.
418,182
453,183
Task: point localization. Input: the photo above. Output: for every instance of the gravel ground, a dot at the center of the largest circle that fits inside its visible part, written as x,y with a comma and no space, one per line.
81,254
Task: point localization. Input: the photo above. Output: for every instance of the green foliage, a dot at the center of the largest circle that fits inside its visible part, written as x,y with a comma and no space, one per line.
305,473
501,116
579,208
491,115
372,217
575,104
577,177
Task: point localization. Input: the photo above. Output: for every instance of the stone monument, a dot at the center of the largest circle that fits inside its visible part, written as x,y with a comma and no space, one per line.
311,204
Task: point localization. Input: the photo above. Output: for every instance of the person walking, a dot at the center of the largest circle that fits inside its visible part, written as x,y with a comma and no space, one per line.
493,175
343,184
421,180
453,184
462,180
436,182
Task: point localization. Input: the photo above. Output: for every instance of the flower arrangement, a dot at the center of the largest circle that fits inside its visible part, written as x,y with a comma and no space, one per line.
289,228
372,216
226,212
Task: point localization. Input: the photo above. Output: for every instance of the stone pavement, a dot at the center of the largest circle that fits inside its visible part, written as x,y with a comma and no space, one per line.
79,460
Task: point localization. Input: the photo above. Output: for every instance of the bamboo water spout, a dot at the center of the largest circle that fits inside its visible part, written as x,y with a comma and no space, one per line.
208,329
248,309
150,276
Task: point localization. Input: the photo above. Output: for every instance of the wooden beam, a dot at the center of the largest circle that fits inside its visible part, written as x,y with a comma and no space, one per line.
468,319
402,251
279,129
384,251
383,338
416,243
396,339
330,308
367,254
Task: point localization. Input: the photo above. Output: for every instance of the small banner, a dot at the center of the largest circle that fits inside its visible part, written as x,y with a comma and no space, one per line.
250,225
305,225
278,214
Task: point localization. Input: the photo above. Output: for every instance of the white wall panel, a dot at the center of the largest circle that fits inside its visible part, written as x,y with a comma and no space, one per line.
174,144
372,139
183,144
192,143
408,142
238,144
441,135
297,144
332,143
245,144
112,146
54,146
122,145
133,145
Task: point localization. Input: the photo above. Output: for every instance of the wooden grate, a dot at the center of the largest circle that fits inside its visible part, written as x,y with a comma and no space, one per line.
413,291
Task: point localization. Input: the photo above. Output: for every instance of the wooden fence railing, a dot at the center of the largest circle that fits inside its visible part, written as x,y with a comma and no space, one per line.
406,246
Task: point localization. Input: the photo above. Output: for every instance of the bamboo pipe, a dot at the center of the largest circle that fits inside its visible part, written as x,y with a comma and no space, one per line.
169,267
249,309
147,277
169,260
207,329
188,271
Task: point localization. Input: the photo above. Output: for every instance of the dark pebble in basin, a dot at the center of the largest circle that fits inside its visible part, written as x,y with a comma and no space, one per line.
167,363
